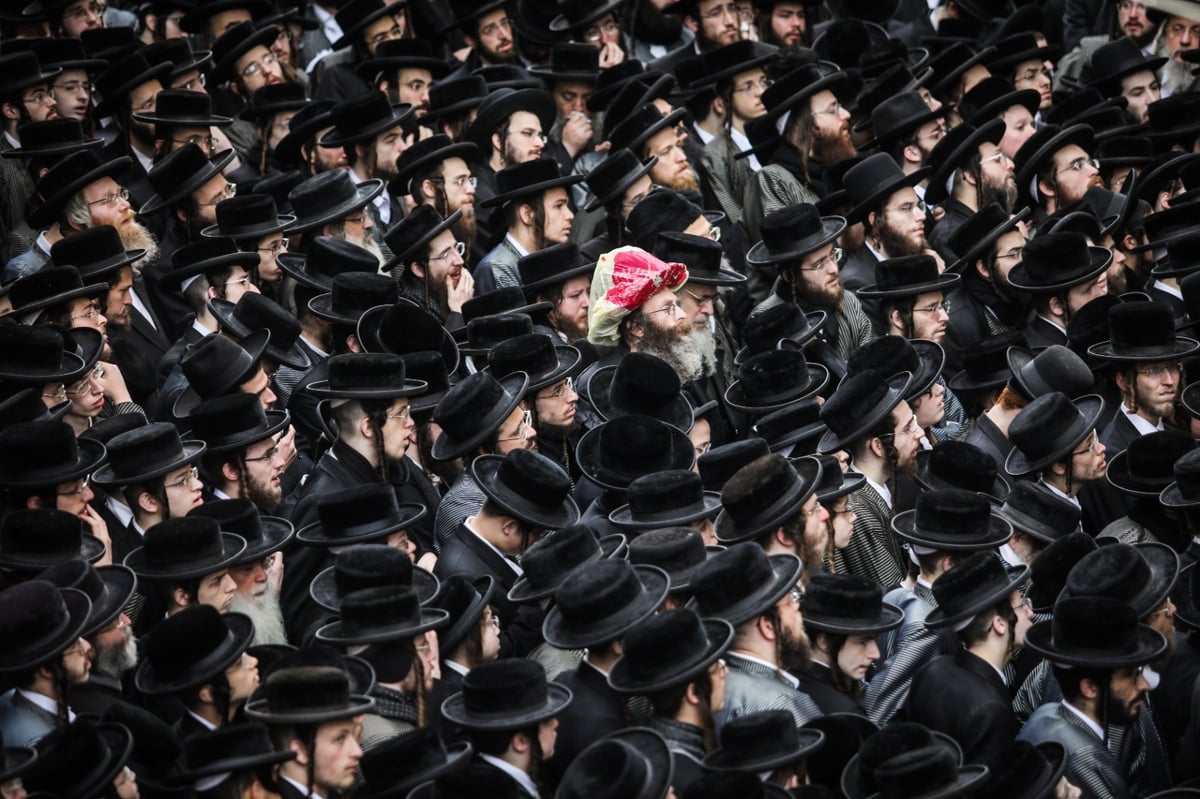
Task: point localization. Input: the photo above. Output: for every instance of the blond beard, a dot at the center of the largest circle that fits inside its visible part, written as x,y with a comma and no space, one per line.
265,612
136,237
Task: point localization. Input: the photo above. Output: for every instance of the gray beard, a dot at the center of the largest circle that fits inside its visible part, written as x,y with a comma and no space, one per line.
1176,77
114,661
264,611
691,358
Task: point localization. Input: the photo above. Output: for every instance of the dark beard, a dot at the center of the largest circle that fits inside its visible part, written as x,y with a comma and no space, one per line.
1004,193
794,651
1117,713
829,148
568,327
464,228
489,57
896,245
265,498
811,299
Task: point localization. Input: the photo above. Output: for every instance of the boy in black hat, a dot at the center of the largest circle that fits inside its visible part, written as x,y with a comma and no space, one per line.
186,562
243,459
1055,440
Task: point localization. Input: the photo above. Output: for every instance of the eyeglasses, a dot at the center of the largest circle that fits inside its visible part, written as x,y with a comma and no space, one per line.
463,181
80,648
194,83
703,448
120,195
944,305
531,133
230,190
40,97
815,511
90,10
762,84
57,396
258,67
917,208
1167,608
188,481
834,109
829,260
1013,255
909,429
492,28
522,429
999,156
458,249
76,492
84,386
354,220
74,87
401,415
937,133
598,32
665,152
1080,164
394,32
718,667
284,35
268,456
672,308
200,141
241,281
494,621
567,384
1092,445
1025,603
276,246
702,300
714,233
796,595
127,775
119,623
91,313
1158,372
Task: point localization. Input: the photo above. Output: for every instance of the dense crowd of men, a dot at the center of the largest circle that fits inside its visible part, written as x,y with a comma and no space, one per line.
630,399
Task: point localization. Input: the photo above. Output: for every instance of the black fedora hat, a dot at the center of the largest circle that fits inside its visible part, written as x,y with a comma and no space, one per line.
69,176
457,95
397,765
1024,771
1047,429
551,266
190,648
1122,151
1182,258
483,333
263,534
224,750
570,61
763,495
773,380
39,454
378,615
15,760
367,565
52,138
26,405
108,587
396,54
973,586
409,238
846,604
871,182
720,463
1034,510
1041,147
1146,466
859,403
35,356
424,154
985,363
1050,569
34,539
900,115
39,620
632,763
1055,368
952,520
122,77
1054,262
353,17
908,276
352,294
235,42
702,256
328,197
836,483
675,550
1140,576
602,601
79,759
860,778
1118,59
668,649
326,258
954,149
248,216
464,600
404,328
890,354
179,54
363,117
991,97
957,464
619,170
366,376
616,453
176,108
665,499
234,421
1142,332
1096,633
256,312
215,366
528,485
928,773
147,452
791,232
96,252
184,549
307,695
1184,492
473,409
359,515
22,70
535,354
577,15
499,105
550,560
528,179
763,741
507,694
787,428
790,90
49,286
642,384
302,127
661,210
197,15
980,231
743,582
180,173
636,128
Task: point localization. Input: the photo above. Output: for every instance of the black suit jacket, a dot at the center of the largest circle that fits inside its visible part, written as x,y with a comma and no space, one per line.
1119,434
595,711
817,682
138,349
859,271
1040,334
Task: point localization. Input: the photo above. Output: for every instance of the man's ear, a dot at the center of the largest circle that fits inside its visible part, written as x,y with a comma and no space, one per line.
149,503
180,596
691,23
766,628
912,153
297,746
10,111
871,220
230,472
33,502
1045,189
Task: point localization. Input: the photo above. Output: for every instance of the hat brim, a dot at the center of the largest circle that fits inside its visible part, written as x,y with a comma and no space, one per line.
998,491
232,546
1028,524
967,778
237,439
399,114
1090,406
196,121
206,669
91,549
524,591
464,150
809,742
119,584
997,532
562,633
720,635
890,617
1181,347
1150,646
530,189
850,482
324,591
264,36
211,169
369,325
730,530
294,356
1163,564
532,288
735,395
977,249
106,476
19,656
831,228
159,72
1119,477
232,764
485,469
942,282
560,24
679,415
832,441
322,390
359,704
401,258
454,710
90,455
452,635
618,189
786,571
276,534
176,276
70,364
447,446
1099,258
338,634
566,359
536,101
587,455
32,150
710,505
986,597
253,231
92,290
1030,99
409,514
364,193
813,322
44,215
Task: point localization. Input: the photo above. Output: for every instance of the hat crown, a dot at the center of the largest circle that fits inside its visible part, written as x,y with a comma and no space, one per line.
671,549
357,117
1151,458
177,168
635,444
329,257
950,513
720,463
1187,474
232,742
909,270
554,556
528,173
245,209
302,688
47,282
320,192
535,478
182,642
358,509
144,448
1141,329
644,384
353,293
854,398
898,114
976,576
41,536
701,254
493,303
548,262
863,180
361,370
1094,625
597,590
369,609
89,246
28,348
35,610
964,466
460,412
215,364
731,576
191,538
371,566
258,312
1051,255
757,485
661,209
487,332
614,169
534,353
229,417
238,516
752,736
662,641
172,103
1038,504
917,773
1031,430
792,419
842,596
1117,571
506,686
885,354
782,228
654,493
1049,571
1056,368
41,445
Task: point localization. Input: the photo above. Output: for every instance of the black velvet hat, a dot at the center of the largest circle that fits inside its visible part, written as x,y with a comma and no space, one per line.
551,559
307,695
108,587
861,777
977,235
205,256
180,173
871,182
425,153
796,424
611,177
846,604
1024,771
528,179
743,582
632,763
69,176
602,601
1143,332
80,759
992,96
122,77
763,741
396,54
1118,59
972,586
38,621
985,363
536,354
366,376
957,464
1048,429
956,148
898,116
890,354
640,384
775,379
363,117
1140,575
147,452
1055,368
860,402
397,765
1145,467
264,534
702,256
35,356
1185,491
1036,511
49,286
41,454
464,601
791,232
676,550
1095,633
53,138
636,128
381,614
665,499
190,648
359,515
668,649
352,294
215,366
328,197
237,747
248,216
551,266
472,410
367,565
529,486
255,312
618,452
763,495
501,104
763,331
1051,568
184,549
507,694
456,95
908,276
952,520
176,108
235,421
96,252
34,539
720,463
405,328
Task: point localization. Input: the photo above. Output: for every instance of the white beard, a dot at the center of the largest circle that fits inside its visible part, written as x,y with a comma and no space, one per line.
265,612
114,661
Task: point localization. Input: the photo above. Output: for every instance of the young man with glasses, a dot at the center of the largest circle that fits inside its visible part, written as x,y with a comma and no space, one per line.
716,23
25,96
489,34
435,172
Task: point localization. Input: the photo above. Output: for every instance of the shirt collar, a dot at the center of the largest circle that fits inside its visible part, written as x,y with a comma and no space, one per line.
1059,492
882,490
45,703
16,145
743,143
512,564
1141,425
303,789
517,774
516,245
456,667
1092,725
208,725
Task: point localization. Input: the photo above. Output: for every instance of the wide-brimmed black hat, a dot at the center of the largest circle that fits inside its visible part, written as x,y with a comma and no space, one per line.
179,54
1146,466
108,587
363,117
35,356
307,695
908,276
1117,59
197,16
797,86
1024,771
787,428
409,238
176,108
96,252
40,454
1054,262
263,534
1056,368
791,232
506,694
665,499
980,231
22,70
234,421
846,604
464,600
1041,147
985,363
52,138
610,178
535,354
743,582
145,453
891,354
367,565
860,402
500,105
868,184
248,216
406,329
256,312
1095,633
235,42
702,255
1034,510
860,778
1140,576
397,765
676,550
49,286
184,549
529,486
39,620
602,601
1184,492
215,366
326,258
1142,332
426,153
359,515
636,128
180,173
366,376
616,453
763,741
668,649
974,585
191,648
352,294
328,197
69,176
528,179
639,384
396,54
1182,258
550,560
457,95
224,750
1051,567
473,409
772,380
956,148
631,763
353,18
302,127
992,96
380,614
763,495
34,539
551,266
952,520
122,77
1048,429
15,760
957,464
577,15
898,116
570,61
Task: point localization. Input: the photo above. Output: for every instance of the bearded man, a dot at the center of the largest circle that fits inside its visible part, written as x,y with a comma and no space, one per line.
1175,35
436,171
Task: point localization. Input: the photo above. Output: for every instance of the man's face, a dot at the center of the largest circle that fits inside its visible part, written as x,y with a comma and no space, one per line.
793,641
237,285
73,497
87,394
524,141
570,313
997,181
1007,251
701,437
87,312
818,277
1074,174
928,135
1162,620
748,88
388,146
495,43
605,30
1180,34
114,647
572,96
900,225
398,430
1024,617
242,677
80,16
1019,127
906,437
224,20
206,198
556,404
217,590
831,134
39,103
857,655
1126,691
929,318
443,261
842,521
327,158
201,137
336,755
664,312
77,661
516,433
1132,20
387,28
1033,74
547,737
460,194
489,630
635,194
1088,461
72,94
1156,387
276,130
717,22
1081,295
930,407
251,578
119,304
412,86
258,68
787,24
269,248
265,463
557,228
1140,89
1117,280
816,529
193,81
672,169
697,301
183,488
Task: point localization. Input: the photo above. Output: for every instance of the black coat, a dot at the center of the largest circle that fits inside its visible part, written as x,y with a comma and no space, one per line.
817,682
1040,334
595,711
